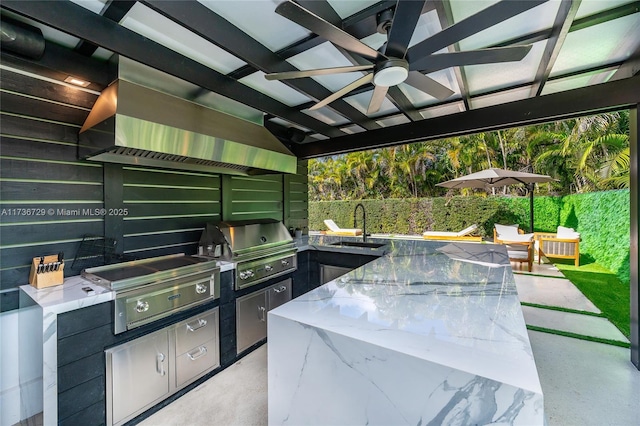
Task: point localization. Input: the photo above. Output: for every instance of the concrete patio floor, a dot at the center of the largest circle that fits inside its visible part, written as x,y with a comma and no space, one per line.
584,383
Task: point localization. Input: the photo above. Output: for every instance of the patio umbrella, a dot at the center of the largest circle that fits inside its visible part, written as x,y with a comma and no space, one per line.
494,177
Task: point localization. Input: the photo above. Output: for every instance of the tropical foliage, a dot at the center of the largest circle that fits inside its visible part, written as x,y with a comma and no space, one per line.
584,154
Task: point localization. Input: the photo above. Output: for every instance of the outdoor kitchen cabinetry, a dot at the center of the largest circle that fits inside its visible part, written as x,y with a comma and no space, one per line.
196,347
333,265
146,370
251,313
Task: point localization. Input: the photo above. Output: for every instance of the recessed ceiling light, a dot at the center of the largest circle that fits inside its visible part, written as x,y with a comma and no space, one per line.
77,82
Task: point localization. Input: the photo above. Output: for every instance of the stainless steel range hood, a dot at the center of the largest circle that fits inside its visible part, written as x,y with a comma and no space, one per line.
132,124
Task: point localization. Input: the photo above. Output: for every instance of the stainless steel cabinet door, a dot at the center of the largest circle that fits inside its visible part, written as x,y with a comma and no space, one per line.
251,319
330,272
138,374
279,294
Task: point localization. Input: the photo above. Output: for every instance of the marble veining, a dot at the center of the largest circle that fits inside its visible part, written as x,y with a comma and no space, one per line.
68,296
430,333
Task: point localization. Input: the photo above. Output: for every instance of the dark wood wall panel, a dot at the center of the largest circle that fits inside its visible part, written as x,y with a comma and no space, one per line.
181,238
16,261
48,199
35,231
154,225
167,210
39,130
42,108
57,194
40,170
15,82
163,211
50,213
168,178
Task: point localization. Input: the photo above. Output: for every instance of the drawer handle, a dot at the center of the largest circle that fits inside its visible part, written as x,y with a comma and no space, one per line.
202,350
261,313
201,323
160,364
280,290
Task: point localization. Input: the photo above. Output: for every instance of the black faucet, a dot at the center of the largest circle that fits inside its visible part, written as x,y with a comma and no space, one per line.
364,221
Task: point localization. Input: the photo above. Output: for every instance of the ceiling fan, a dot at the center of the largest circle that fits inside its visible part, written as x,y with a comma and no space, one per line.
395,62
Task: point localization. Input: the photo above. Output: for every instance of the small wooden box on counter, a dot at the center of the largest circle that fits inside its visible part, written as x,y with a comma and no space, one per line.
54,276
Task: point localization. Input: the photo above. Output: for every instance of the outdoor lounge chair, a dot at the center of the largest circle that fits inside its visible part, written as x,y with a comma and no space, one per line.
463,235
520,246
336,230
564,244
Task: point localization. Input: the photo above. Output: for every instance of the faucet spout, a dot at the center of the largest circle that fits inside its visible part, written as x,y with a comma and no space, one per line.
364,220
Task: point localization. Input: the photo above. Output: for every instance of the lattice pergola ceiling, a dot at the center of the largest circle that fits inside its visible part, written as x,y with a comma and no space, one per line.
471,64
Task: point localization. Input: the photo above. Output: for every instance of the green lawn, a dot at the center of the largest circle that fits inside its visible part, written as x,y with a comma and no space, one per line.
604,289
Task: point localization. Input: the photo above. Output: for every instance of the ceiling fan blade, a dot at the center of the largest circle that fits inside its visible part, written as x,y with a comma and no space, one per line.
321,71
379,94
405,19
428,85
492,55
484,19
314,23
346,89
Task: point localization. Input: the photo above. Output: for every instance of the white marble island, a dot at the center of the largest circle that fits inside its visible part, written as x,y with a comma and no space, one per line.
420,336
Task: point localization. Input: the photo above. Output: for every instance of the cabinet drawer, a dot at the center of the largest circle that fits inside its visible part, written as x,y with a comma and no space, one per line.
279,294
197,361
196,330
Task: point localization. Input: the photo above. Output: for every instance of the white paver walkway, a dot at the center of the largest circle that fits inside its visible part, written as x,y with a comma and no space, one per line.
558,292
585,325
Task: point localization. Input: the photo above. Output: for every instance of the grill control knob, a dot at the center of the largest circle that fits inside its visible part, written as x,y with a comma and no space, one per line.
268,268
285,262
243,275
142,306
250,273
201,288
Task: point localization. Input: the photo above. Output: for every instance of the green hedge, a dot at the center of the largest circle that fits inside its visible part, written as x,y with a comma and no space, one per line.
602,218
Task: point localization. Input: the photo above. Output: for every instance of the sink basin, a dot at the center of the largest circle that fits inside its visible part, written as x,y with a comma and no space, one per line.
358,244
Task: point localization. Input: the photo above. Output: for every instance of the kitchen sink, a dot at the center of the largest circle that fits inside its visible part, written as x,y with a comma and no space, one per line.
358,244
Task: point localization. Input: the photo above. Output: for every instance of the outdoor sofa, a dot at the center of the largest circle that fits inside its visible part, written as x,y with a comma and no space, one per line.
520,246
564,244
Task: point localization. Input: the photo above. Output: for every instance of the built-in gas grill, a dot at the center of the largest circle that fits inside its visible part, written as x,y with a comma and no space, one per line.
261,250
150,289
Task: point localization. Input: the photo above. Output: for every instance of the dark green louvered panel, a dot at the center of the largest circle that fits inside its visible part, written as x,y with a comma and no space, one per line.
254,197
167,210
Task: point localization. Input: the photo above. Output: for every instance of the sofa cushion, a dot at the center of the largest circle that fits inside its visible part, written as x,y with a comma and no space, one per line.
567,233
506,232
519,238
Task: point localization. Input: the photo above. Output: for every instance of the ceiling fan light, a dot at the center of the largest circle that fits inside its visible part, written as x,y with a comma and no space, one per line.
391,76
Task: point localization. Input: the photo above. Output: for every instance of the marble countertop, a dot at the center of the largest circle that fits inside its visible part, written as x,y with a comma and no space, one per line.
451,303
70,295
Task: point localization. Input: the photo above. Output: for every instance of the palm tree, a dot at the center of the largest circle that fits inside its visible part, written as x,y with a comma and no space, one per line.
606,158
584,154
618,171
